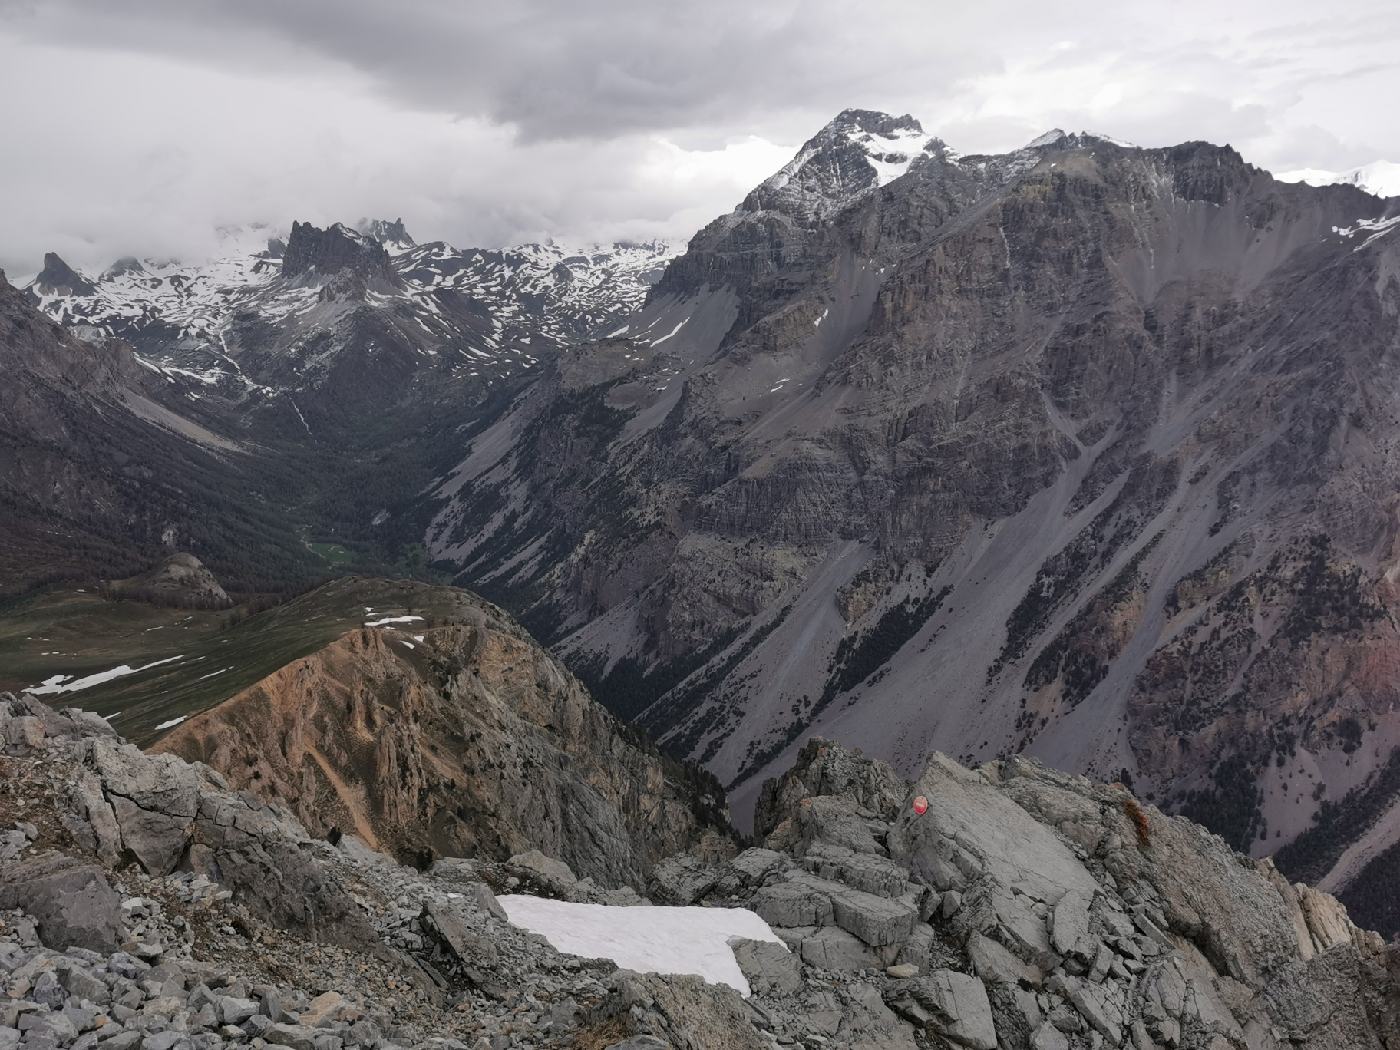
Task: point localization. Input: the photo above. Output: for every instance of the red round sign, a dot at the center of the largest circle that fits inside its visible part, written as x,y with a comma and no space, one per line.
920,805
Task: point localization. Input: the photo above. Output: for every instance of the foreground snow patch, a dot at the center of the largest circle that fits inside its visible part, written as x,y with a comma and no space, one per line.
645,939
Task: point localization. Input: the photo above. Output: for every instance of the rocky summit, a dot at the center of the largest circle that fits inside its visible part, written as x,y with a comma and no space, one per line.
146,903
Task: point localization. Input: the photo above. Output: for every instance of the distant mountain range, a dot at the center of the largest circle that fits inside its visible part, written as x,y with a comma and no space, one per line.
252,322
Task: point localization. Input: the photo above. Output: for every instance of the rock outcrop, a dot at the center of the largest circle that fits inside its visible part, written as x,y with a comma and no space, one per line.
57,278
334,250
180,580
1029,908
465,739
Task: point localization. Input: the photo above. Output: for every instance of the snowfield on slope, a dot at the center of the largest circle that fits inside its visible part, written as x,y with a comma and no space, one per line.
645,939
60,683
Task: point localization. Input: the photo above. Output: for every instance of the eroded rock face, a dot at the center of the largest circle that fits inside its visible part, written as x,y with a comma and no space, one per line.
336,249
464,740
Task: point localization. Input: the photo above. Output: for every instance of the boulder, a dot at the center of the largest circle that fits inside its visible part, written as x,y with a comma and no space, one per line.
550,871
793,904
24,733
769,968
878,921
71,902
1070,925
682,1012
832,948
960,1008
864,871
682,879
997,965
155,799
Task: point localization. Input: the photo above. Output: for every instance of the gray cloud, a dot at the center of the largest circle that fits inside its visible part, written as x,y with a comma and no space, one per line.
138,126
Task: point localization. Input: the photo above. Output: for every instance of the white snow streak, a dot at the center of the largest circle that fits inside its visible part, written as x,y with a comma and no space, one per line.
60,683
391,619
673,331
1375,227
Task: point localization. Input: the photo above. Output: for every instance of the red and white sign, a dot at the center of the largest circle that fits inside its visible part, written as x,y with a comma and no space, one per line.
920,805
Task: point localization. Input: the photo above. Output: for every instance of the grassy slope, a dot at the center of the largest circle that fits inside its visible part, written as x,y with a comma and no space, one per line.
78,633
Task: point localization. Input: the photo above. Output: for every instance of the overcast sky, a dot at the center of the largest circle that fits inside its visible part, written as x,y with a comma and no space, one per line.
137,127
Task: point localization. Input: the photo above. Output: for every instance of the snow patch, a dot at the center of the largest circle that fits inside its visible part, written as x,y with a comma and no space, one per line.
645,939
391,619
60,683
1375,227
673,331
1381,177
891,155
172,723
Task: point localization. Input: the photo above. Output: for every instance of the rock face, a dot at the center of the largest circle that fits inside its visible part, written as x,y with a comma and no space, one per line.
1035,910
58,278
180,580
333,250
1027,453
463,740
105,466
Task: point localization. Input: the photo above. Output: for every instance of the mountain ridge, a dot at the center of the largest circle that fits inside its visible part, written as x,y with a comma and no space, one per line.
983,446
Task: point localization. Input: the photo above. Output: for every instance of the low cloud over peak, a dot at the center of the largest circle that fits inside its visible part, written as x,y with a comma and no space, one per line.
145,125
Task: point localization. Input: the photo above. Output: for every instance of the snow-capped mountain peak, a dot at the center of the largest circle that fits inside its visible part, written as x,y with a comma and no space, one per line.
857,152
390,233
1049,138
483,312
1381,177
58,278
890,147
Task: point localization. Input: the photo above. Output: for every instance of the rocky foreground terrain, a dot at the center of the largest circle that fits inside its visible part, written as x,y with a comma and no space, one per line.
146,904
